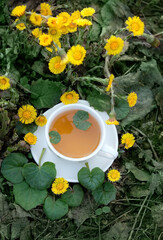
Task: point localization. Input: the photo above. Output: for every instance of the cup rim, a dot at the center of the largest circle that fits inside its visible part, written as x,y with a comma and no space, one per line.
77,106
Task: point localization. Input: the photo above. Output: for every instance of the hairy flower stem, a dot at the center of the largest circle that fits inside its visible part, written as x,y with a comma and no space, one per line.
42,153
87,165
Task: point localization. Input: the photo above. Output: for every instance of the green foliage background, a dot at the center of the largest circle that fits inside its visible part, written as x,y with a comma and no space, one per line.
137,211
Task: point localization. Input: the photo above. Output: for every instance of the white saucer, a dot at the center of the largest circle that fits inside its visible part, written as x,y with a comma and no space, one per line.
70,169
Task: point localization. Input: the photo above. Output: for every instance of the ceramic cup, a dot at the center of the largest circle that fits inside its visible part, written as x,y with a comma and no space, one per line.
102,149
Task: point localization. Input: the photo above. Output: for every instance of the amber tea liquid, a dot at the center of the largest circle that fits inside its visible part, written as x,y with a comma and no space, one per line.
74,142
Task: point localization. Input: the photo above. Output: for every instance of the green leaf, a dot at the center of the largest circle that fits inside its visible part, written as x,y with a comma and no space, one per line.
79,119
39,67
144,105
159,99
98,211
106,209
105,193
55,137
25,128
91,179
139,174
39,177
139,191
150,73
118,231
94,32
99,101
73,197
55,209
113,14
24,82
45,93
12,167
157,214
28,197
121,108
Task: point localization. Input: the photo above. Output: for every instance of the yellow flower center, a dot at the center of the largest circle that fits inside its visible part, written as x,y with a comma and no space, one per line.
3,81
64,19
26,114
128,141
30,139
41,119
37,18
53,32
46,39
135,26
69,96
21,24
72,25
57,65
114,175
77,55
60,186
114,45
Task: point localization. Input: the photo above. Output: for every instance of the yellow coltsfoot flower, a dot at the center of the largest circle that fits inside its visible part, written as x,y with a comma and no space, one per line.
59,186
128,139
64,18
35,19
87,12
111,78
82,22
41,120
132,99
112,121
135,25
45,9
30,138
114,45
56,65
18,11
113,175
76,54
37,32
27,114
55,33
45,40
20,26
76,15
4,83
69,97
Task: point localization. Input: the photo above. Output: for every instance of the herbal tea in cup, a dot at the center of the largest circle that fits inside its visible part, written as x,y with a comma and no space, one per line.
76,132
76,142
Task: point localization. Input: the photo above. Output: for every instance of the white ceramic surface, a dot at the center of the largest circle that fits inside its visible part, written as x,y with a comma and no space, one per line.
69,169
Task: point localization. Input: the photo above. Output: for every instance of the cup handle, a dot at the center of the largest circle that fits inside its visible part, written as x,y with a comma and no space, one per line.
108,152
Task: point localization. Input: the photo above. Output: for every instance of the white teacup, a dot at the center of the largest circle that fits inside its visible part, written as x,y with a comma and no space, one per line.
102,149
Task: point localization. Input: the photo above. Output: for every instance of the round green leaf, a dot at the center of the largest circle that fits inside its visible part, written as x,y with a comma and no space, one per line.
73,197
105,193
121,108
98,211
28,197
91,179
39,177
55,137
55,209
12,167
106,209
79,119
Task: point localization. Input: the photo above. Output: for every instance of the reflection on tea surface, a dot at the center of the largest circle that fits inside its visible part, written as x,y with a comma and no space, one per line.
74,142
